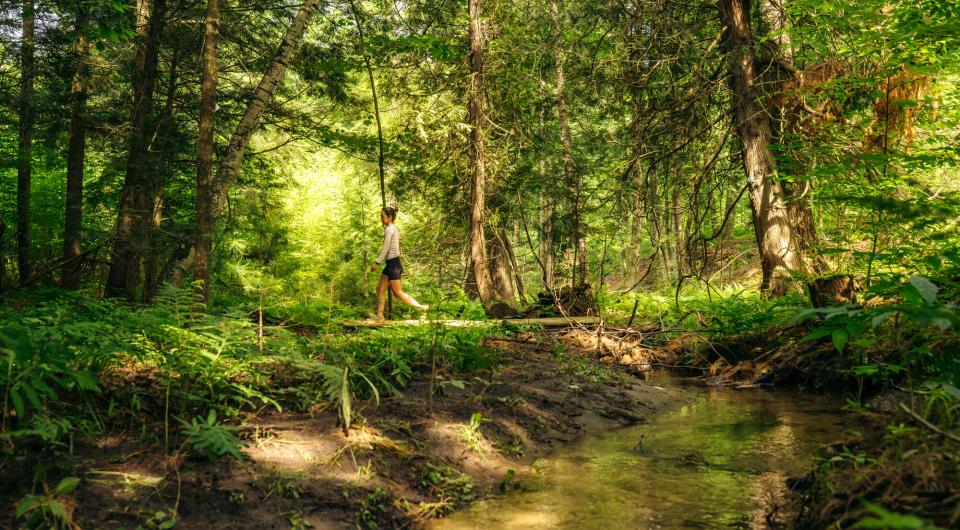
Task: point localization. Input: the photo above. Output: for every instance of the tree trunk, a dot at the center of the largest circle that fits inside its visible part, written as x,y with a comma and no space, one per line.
478,240
799,213
136,202
547,212
774,232
570,171
501,266
729,202
655,225
677,230
208,104
547,252
76,152
227,171
226,174
151,266
25,152
376,106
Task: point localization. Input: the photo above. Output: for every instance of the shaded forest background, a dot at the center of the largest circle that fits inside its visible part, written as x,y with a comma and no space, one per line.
620,144
768,189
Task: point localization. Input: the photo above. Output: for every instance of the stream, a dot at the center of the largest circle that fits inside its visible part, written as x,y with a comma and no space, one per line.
721,461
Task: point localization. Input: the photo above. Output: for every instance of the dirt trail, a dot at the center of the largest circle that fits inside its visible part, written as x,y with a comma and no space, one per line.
403,463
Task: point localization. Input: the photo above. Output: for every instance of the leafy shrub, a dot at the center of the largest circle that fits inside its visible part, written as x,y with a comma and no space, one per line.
50,510
910,305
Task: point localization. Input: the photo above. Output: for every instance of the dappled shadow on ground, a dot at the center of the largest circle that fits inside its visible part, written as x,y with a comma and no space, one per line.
409,459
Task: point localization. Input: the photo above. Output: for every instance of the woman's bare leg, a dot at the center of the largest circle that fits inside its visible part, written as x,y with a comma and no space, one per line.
397,289
382,295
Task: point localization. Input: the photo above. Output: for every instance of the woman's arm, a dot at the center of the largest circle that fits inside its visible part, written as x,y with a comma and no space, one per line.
388,236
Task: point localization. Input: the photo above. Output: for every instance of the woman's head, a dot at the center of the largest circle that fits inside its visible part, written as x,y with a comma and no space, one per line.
388,214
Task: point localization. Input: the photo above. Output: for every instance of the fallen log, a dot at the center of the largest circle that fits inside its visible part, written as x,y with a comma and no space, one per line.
547,322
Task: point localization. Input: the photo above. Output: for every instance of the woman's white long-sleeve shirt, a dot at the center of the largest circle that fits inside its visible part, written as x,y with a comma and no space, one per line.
391,243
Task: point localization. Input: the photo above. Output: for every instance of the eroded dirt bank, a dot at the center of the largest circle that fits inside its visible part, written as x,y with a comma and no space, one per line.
407,460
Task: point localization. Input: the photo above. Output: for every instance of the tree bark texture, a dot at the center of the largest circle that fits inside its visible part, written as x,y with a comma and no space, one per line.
76,154
570,170
547,211
779,258
135,201
790,113
226,174
500,265
478,240
25,151
208,104
151,266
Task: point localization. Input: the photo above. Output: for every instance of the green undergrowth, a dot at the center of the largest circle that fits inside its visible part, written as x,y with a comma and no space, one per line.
731,310
895,352
173,374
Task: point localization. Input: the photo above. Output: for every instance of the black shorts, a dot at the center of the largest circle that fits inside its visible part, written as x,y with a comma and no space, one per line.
393,269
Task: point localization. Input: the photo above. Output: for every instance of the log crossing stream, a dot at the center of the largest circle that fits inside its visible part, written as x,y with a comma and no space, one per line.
721,461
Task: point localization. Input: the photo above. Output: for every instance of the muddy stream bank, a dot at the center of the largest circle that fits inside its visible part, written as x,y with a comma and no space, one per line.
552,436
722,460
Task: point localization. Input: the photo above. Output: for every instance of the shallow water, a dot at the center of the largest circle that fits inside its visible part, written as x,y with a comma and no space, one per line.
719,462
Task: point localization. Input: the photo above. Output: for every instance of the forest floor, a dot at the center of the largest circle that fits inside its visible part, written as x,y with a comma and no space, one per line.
408,460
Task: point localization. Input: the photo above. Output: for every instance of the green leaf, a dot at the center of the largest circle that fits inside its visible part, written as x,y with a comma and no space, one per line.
57,509
345,398
86,381
67,485
31,394
376,393
887,520
926,288
839,337
879,319
817,333
856,328
25,506
17,401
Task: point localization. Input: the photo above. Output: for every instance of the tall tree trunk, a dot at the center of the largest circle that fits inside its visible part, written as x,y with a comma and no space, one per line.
547,252
136,201
478,240
151,265
25,153
570,171
376,105
76,153
208,103
655,225
547,209
226,174
677,230
779,258
799,212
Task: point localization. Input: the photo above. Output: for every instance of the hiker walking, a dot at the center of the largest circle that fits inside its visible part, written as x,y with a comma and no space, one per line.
390,254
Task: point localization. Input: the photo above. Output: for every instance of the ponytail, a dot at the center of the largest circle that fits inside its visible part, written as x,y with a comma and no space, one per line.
391,212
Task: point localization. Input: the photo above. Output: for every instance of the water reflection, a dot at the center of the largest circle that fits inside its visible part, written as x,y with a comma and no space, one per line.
720,462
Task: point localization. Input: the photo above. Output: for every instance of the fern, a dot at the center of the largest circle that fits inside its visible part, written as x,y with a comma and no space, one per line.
212,440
